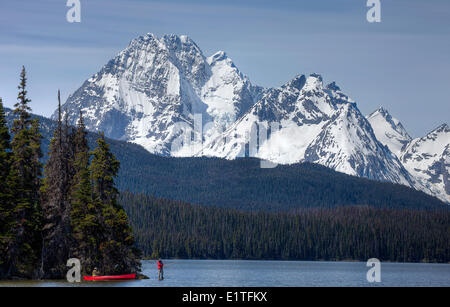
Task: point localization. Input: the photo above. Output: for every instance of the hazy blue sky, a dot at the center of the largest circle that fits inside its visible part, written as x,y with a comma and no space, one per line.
402,63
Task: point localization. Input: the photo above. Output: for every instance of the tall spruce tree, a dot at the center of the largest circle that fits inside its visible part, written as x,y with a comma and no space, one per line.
85,215
36,165
56,204
25,251
117,252
6,200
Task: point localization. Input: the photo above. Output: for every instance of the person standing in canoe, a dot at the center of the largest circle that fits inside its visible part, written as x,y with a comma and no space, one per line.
160,266
95,272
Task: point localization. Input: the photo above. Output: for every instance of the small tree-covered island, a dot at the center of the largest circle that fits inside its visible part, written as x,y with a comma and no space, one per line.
67,208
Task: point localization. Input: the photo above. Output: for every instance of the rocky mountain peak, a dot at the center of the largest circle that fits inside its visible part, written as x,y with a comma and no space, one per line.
157,82
297,83
333,87
314,82
443,128
218,56
389,130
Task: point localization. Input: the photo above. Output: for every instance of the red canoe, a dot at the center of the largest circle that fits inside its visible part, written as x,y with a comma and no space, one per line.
106,278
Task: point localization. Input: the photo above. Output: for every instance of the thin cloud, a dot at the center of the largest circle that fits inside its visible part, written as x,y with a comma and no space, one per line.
11,48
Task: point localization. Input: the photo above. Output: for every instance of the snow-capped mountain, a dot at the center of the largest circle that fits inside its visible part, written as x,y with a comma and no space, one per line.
428,159
154,92
313,123
389,130
154,83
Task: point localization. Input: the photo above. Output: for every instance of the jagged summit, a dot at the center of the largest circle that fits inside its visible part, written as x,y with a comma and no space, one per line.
443,128
316,76
313,83
333,86
389,130
381,110
165,37
296,83
218,56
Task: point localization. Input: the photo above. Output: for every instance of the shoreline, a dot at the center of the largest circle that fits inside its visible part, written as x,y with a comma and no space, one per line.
293,260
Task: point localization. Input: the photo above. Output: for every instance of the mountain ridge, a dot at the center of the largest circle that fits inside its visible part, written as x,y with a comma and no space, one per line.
166,95
319,124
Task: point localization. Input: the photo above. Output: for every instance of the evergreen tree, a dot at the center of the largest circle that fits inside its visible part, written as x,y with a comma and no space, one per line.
117,246
36,165
84,214
25,251
6,236
104,169
56,203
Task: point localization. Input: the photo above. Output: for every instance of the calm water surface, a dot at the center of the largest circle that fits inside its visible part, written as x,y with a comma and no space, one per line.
223,273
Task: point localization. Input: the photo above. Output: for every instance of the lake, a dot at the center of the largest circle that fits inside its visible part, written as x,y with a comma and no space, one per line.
237,273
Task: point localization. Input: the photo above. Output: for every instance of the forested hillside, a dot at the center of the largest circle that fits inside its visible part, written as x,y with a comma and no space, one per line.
169,229
242,184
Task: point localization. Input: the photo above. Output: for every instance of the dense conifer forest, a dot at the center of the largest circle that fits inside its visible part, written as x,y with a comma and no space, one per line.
243,184
172,229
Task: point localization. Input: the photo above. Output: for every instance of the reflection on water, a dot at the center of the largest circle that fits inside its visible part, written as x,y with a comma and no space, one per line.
230,273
